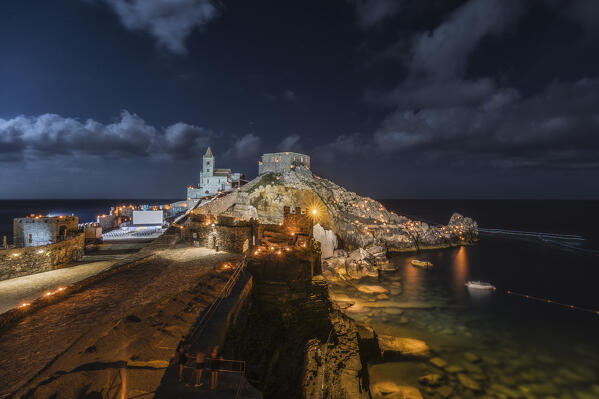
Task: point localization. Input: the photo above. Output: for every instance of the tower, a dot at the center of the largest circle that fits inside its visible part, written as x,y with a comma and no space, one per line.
208,164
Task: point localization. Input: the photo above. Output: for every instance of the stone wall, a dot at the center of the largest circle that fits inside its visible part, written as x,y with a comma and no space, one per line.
281,162
226,233
25,261
217,206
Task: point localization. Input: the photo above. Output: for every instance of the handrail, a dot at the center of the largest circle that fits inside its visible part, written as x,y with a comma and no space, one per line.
225,291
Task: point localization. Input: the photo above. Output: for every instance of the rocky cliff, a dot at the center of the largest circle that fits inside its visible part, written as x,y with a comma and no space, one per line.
358,221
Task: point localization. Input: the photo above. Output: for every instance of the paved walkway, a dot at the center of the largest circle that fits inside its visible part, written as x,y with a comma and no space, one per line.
37,339
211,334
18,290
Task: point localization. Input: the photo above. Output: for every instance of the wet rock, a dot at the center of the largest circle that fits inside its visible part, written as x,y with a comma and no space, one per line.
393,311
454,369
545,389
432,380
372,289
444,391
438,362
502,390
468,382
406,347
473,368
584,395
571,375
382,296
471,357
390,390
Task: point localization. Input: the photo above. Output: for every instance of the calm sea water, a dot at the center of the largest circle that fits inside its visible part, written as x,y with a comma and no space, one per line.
87,210
534,349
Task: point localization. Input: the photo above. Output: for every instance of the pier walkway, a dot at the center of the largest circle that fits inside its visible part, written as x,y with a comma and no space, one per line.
45,336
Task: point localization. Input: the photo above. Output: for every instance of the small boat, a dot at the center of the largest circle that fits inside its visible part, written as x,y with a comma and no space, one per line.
480,285
421,263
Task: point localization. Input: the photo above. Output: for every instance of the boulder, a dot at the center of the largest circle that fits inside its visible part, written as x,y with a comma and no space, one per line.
454,369
432,380
372,289
391,390
445,391
471,357
468,382
405,347
438,362
359,254
327,239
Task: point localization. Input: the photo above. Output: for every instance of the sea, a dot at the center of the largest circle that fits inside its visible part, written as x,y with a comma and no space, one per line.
535,336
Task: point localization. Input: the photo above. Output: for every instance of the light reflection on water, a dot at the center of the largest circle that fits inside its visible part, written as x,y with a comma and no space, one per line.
514,336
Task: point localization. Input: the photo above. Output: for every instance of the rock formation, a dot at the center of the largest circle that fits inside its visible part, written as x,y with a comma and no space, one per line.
359,222
361,226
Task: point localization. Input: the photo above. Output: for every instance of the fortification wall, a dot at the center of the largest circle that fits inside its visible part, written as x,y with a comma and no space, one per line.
218,205
30,260
280,162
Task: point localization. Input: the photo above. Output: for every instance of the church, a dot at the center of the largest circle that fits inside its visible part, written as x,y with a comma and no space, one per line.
212,181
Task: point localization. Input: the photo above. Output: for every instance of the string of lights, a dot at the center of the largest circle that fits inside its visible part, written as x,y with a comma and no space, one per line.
552,302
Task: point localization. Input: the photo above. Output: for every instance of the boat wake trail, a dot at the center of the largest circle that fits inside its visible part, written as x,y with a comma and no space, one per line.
571,242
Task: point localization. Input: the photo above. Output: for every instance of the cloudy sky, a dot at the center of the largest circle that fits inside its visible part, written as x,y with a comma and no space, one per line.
391,98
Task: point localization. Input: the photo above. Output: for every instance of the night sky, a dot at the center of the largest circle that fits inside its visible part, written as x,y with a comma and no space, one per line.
392,99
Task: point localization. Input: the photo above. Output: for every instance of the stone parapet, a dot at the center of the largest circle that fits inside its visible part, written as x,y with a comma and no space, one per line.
19,262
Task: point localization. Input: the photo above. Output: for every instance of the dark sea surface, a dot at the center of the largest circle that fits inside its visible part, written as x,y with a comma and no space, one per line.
535,348
87,210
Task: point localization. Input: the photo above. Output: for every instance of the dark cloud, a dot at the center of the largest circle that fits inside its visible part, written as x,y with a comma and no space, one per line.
245,147
441,114
51,135
557,127
442,53
584,12
372,12
170,22
290,143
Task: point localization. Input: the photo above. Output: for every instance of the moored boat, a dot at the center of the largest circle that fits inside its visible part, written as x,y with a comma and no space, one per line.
480,285
421,263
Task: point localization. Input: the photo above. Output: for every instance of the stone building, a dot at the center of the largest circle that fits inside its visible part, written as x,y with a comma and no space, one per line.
43,230
279,162
212,180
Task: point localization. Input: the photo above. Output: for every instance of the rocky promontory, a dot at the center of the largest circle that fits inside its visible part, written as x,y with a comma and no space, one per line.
361,227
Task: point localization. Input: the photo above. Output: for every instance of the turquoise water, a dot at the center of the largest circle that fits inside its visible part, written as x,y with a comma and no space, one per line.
527,349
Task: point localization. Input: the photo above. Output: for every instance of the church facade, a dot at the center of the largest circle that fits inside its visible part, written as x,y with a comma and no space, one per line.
212,180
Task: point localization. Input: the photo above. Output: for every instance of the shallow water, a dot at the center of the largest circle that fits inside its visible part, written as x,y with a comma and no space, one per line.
528,349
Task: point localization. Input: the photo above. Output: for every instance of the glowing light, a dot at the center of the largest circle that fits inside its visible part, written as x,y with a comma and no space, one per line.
61,289
23,305
15,255
47,294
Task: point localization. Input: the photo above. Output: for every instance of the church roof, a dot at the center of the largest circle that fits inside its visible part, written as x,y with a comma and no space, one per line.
222,172
208,153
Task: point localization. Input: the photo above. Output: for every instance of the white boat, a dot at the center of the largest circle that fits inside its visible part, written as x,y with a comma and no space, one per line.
480,285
